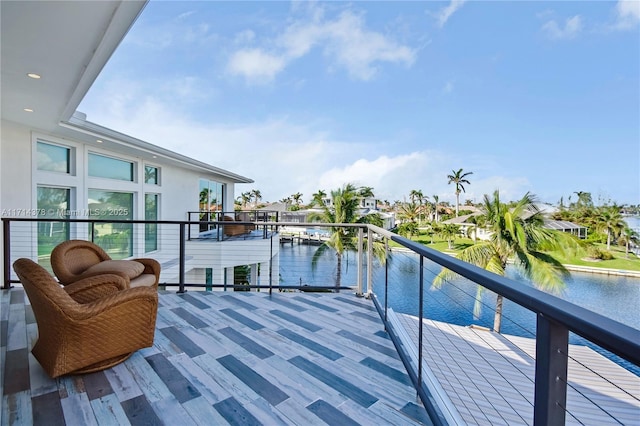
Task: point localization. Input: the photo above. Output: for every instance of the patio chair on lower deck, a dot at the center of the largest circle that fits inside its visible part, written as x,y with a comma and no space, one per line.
76,337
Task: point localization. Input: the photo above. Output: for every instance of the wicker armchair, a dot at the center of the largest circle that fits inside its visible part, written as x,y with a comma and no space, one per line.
85,337
233,229
74,260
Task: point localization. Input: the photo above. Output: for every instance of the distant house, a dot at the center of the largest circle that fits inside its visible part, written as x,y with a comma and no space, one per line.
566,226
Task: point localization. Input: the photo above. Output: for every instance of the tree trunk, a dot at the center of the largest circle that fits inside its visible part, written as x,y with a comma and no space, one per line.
608,240
497,320
457,203
339,271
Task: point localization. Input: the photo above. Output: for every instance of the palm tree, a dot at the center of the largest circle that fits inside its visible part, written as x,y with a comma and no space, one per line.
408,212
257,196
458,178
318,197
584,199
366,192
517,234
449,232
245,197
415,195
344,209
609,220
627,237
297,198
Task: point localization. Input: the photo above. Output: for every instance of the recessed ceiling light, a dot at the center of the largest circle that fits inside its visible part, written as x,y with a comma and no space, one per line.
33,75
99,140
28,110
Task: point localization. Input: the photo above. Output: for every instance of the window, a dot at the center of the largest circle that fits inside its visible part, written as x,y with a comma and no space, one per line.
110,168
151,175
211,196
115,238
53,158
150,229
53,203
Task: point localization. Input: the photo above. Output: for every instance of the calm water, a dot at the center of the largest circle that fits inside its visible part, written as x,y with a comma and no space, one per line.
615,297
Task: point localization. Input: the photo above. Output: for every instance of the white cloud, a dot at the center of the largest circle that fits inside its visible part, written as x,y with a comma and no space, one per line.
627,14
284,157
444,14
448,87
255,65
572,28
345,41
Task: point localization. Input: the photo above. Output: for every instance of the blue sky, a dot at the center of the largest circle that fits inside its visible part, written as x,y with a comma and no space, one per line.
529,96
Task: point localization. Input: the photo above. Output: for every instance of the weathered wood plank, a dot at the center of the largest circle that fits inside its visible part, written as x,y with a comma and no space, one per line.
202,412
47,410
182,341
122,382
180,387
234,413
330,414
77,410
16,371
344,387
17,333
96,385
246,343
16,409
108,411
190,318
153,388
259,384
140,412
211,390
172,412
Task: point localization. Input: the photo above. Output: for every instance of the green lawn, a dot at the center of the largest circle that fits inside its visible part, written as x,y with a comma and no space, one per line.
620,261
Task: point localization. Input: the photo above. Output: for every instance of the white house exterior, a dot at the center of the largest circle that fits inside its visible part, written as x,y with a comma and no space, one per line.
55,163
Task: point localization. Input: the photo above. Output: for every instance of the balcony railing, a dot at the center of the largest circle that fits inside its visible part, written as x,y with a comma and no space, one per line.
278,262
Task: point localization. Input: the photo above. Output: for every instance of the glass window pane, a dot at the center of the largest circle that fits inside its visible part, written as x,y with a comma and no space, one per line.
111,168
151,175
150,229
115,238
53,203
53,158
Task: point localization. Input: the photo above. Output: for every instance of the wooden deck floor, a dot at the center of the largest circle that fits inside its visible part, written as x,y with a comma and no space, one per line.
218,358
488,377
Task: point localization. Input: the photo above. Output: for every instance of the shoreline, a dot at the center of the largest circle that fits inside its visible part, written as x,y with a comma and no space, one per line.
577,268
603,271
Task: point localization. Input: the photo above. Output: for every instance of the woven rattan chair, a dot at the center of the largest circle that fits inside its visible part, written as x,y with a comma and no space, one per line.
75,337
74,260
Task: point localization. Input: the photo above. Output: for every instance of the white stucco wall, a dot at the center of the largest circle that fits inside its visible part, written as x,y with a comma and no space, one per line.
19,178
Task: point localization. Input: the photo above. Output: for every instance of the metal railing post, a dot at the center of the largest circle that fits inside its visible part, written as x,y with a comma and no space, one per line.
182,257
552,346
420,307
6,251
369,262
386,280
271,265
359,269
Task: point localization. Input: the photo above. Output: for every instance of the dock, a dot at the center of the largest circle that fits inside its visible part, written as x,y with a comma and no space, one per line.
483,377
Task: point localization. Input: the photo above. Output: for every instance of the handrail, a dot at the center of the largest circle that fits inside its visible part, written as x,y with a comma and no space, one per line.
618,338
555,316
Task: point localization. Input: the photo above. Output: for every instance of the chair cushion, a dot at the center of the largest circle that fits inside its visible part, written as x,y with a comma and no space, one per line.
144,280
129,267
